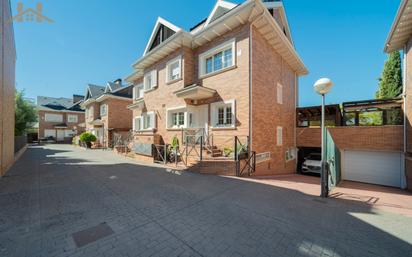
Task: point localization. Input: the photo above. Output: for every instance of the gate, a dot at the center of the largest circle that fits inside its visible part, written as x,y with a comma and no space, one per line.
333,161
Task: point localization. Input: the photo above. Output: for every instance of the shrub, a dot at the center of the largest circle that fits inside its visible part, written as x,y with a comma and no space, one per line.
227,151
87,137
175,143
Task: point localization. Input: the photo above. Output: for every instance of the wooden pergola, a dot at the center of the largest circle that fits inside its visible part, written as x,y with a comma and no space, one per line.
307,115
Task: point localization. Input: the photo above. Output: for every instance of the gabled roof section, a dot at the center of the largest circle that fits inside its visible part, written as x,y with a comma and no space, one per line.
161,32
220,9
94,91
401,30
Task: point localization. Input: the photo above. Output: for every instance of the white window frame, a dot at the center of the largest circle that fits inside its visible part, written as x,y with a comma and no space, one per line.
90,113
169,78
143,122
53,117
137,123
153,80
279,93
138,91
279,136
103,110
230,44
176,110
215,114
70,118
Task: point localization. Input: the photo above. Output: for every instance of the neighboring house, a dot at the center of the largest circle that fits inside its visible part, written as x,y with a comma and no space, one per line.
60,118
235,74
400,38
7,90
107,113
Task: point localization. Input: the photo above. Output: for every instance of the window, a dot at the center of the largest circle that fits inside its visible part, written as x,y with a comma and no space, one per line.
50,133
103,110
72,118
147,121
137,124
223,114
138,92
176,117
218,58
279,136
50,117
90,113
279,93
69,133
174,69
150,80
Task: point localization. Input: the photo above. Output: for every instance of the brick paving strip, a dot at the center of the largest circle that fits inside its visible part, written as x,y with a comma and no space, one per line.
56,192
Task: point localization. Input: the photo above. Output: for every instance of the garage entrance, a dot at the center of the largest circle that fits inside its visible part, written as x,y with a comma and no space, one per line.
380,168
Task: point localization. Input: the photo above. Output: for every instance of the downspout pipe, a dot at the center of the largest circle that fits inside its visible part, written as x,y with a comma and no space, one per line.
251,79
405,149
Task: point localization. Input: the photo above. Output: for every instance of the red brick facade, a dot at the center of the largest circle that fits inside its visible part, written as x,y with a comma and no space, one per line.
118,118
7,90
382,138
234,84
72,127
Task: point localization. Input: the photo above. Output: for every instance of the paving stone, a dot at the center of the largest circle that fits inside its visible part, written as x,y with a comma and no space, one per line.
56,190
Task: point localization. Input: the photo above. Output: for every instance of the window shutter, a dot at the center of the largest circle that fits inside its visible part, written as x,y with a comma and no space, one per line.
279,93
279,136
154,79
152,120
135,95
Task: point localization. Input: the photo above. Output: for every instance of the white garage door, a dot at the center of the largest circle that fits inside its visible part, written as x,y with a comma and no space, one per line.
50,133
381,168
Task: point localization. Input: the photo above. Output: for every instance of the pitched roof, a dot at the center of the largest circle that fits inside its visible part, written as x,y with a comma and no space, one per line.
52,101
401,30
222,22
58,104
94,91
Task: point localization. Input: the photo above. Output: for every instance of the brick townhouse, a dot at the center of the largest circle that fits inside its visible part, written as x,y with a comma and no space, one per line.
7,82
400,38
107,113
60,119
233,74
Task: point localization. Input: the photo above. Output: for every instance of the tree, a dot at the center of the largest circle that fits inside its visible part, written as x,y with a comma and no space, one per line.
25,113
390,84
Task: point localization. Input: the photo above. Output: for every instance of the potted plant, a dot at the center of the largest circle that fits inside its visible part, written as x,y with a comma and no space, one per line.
88,138
227,151
173,152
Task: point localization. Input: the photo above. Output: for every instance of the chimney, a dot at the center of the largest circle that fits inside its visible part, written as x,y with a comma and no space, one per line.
19,18
39,8
77,98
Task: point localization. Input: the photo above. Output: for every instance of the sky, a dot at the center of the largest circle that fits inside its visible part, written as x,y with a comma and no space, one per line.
95,41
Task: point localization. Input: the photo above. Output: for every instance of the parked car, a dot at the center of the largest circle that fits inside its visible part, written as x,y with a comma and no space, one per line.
312,163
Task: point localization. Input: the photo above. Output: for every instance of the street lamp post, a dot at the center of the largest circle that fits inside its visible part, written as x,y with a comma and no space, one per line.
322,87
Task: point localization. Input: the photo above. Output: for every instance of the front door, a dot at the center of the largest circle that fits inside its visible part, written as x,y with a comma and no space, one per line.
60,135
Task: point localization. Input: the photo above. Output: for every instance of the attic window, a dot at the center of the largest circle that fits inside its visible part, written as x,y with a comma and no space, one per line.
162,34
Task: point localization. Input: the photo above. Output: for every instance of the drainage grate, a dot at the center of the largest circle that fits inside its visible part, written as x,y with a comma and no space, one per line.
92,234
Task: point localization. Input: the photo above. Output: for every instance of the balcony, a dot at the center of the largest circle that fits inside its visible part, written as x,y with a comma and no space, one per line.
137,104
195,92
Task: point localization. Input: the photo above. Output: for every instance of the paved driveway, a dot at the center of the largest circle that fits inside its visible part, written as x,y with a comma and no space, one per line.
56,191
